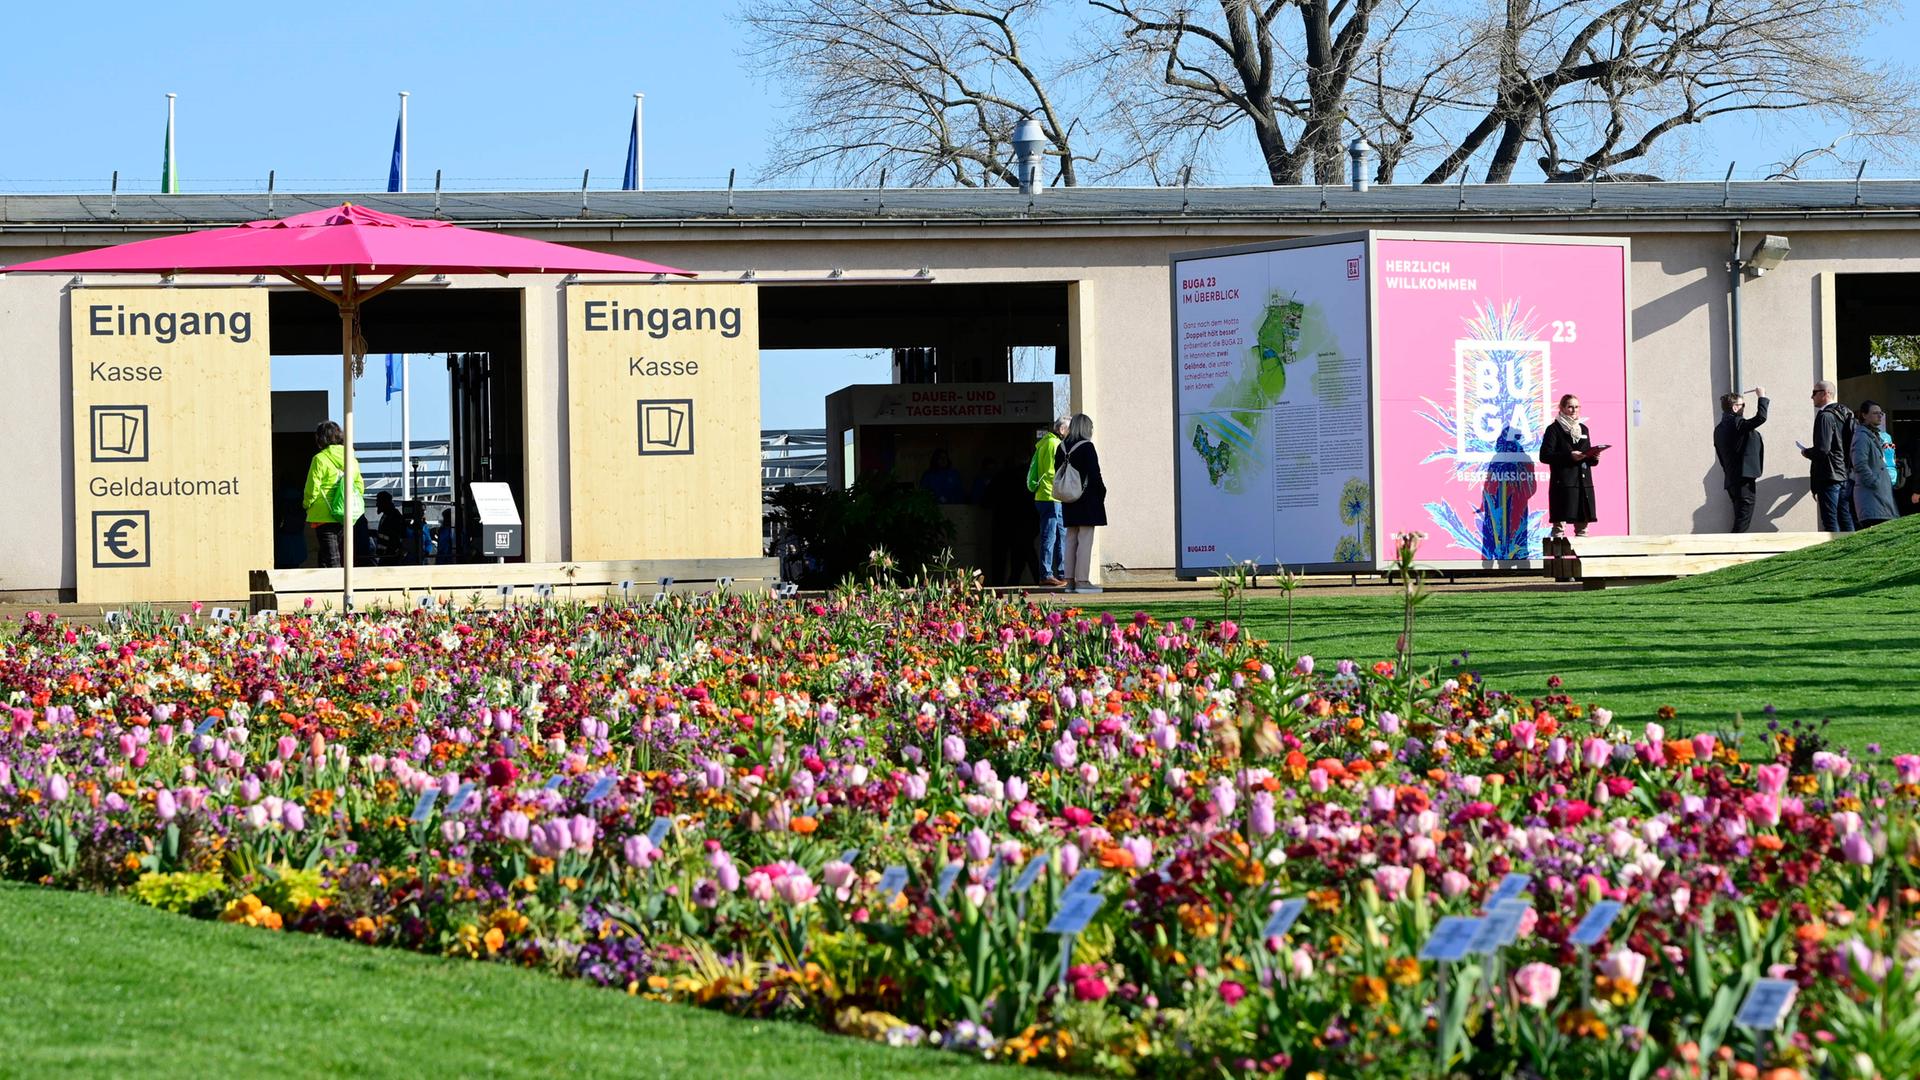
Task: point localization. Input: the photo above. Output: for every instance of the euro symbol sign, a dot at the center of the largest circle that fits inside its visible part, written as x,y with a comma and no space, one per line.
115,539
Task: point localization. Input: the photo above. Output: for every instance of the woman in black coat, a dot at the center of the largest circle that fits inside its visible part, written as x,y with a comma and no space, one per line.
1566,448
1087,512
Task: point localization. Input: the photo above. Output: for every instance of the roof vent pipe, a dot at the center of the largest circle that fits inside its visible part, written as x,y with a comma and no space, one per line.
1359,152
1028,142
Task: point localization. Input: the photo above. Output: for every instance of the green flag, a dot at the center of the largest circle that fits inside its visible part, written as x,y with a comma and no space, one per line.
169,179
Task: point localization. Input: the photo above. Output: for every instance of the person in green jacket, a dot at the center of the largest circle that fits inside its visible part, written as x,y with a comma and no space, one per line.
323,476
1053,533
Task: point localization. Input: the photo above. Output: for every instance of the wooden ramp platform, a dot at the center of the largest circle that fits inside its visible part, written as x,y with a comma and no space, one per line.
499,584
1599,561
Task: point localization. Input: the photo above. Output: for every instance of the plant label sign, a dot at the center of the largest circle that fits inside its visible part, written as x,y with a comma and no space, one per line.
1593,925
206,725
459,800
1510,887
1083,881
1767,1004
423,809
891,882
553,782
993,868
600,789
657,832
1451,939
1076,912
947,877
850,856
1028,875
1283,918
1500,926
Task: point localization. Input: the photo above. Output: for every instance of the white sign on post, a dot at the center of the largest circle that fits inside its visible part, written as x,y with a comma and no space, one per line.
499,519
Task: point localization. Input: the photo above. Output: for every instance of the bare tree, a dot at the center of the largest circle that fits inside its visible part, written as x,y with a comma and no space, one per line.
1231,64
1595,85
1586,86
930,89
1585,89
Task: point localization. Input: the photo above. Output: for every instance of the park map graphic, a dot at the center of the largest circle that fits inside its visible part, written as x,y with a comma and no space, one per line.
1227,437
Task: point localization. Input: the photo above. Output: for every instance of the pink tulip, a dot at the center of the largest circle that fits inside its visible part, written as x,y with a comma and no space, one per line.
638,851
57,788
1421,848
1623,965
1594,752
796,888
1140,848
1905,766
1391,881
1069,862
1524,734
1380,799
1453,883
759,886
1317,780
294,817
1857,849
1223,798
836,875
514,825
164,805
954,749
1065,752
1536,984
728,877
979,845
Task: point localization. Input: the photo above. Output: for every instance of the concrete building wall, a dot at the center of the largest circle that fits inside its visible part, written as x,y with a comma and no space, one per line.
1119,327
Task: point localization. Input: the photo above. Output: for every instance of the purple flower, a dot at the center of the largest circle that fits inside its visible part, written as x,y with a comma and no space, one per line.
1260,813
57,788
165,806
954,749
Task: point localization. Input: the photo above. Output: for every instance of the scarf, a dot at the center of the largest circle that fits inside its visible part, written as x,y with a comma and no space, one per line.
1571,427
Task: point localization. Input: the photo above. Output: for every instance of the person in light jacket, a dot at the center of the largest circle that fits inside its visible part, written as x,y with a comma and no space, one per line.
323,475
1087,512
1872,466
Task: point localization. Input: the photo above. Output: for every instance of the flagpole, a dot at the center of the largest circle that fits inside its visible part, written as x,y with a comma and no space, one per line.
406,402
168,184
639,148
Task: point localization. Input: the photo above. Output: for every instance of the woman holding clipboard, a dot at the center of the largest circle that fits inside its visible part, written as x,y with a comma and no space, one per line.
1570,455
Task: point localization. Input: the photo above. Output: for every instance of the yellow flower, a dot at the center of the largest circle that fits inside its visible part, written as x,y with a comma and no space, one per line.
1403,970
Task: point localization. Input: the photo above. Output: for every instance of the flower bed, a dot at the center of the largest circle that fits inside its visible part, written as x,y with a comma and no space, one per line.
701,803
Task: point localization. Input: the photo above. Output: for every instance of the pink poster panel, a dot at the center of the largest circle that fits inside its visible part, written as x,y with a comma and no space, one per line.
1476,343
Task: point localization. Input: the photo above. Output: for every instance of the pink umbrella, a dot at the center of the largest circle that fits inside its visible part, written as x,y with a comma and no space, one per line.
344,243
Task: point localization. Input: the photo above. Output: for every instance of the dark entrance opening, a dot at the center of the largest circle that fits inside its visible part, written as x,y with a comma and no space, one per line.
1877,333
972,461
477,335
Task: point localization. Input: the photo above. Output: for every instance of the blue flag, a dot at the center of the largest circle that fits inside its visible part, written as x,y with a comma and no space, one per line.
631,180
393,375
396,182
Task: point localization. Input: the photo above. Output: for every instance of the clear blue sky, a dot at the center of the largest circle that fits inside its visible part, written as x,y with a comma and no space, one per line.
504,96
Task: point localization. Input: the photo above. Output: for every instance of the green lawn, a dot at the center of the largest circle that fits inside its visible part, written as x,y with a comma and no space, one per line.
1832,631
91,986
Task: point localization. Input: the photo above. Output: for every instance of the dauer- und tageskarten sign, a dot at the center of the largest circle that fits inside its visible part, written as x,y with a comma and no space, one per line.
663,407
171,394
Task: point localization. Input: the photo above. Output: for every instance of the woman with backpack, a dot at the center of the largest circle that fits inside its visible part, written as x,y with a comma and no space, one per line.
1082,492
328,498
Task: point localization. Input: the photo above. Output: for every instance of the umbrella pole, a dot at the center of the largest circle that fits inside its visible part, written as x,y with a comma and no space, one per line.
348,526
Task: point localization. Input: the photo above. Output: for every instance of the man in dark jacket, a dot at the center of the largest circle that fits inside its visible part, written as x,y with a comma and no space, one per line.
1832,443
1742,452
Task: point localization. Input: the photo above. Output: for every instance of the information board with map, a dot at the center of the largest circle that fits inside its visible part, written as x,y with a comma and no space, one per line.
1274,450
1334,392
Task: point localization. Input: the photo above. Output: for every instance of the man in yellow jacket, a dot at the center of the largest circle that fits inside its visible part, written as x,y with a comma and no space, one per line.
323,481
1053,532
